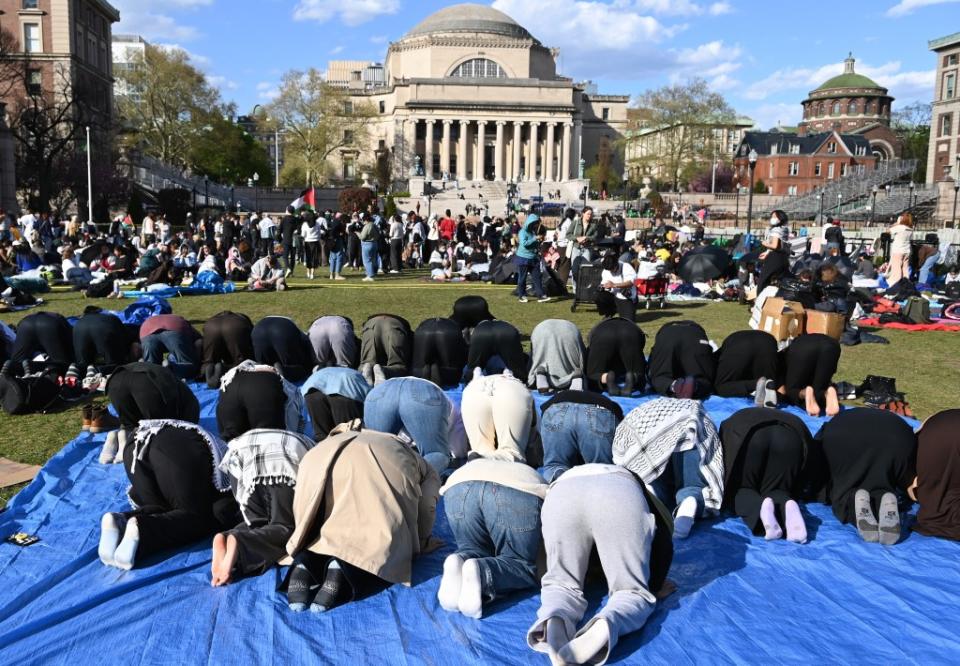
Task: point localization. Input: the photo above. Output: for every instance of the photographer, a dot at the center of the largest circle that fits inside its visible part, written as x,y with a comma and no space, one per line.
529,239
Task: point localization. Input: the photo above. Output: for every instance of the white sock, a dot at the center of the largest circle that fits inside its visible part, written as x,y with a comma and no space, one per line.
109,538
576,384
109,451
124,437
126,552
585,647
471,593
449,593
686,515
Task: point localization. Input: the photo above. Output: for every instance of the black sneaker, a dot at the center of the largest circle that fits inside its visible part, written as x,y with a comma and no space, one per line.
301,588
7,368
333,591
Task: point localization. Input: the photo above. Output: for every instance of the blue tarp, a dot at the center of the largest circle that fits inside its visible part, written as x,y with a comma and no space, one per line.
205,284
740,599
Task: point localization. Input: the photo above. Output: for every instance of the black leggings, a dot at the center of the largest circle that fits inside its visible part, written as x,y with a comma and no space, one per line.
810,360
768,466
227,340
387,341
45,332
439,352
278,340
173,488
773,268
497,338
263,542
616,345
252,400
101,336
312,253
329,411
745,357
681,350
150,392
469,311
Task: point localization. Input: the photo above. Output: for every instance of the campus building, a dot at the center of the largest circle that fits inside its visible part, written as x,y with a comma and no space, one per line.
943,161
469,94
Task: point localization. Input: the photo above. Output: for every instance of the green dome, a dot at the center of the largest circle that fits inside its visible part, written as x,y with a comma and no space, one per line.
849,81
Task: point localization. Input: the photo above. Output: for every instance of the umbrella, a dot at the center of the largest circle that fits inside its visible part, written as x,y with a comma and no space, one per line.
807,262
703,263
93,252
844,265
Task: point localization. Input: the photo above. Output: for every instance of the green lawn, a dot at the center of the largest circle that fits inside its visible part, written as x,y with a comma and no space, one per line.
926,365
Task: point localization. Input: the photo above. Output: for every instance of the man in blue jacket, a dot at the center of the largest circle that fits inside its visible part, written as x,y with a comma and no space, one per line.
528,258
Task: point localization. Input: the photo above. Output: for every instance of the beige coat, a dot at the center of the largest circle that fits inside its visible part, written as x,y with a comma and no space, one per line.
378,504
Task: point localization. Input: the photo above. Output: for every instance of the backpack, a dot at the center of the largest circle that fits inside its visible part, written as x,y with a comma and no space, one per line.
917,310
28,395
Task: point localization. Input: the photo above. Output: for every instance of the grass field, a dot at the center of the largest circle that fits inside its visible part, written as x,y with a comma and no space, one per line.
926,365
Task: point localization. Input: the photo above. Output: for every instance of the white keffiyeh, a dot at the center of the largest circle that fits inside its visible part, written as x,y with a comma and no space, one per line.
293,410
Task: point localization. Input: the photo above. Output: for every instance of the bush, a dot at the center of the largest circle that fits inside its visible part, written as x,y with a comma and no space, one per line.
355,199
760,187
389,207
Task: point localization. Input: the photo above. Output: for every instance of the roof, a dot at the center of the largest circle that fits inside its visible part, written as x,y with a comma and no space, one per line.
763,142
470,18
944,42
849,81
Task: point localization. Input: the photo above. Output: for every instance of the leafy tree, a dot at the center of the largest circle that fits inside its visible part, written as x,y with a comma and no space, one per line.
685,115
383,170
601,174
355,199
759,187
389,207
703,180
318,119
912,125
225,153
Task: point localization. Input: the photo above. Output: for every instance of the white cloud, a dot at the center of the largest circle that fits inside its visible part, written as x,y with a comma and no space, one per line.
196,59
152,20
720,8
336,49
267,91
379,39
905,7
768,116
676,7
221,82
351,12
714,61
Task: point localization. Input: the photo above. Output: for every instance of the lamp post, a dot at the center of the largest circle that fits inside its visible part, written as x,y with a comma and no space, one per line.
820,207
586,190
428,188
716,160
256,185
540,194
913,200
736,216
89,180
839,202
626,183
956,191
873,203
752,161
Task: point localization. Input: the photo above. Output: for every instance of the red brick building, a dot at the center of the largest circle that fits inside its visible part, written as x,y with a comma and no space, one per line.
791,164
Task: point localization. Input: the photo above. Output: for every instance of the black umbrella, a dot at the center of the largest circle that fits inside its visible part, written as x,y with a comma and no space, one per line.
809,262
92,253
703,263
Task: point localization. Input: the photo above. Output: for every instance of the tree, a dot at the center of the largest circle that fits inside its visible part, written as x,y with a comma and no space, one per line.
225,153
703,180
601,174
355,199
173,104
912,125
684,116
318,119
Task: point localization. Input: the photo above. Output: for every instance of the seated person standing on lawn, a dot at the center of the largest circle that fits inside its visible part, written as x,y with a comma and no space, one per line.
256,396
226,344
809,365
747,366
937,484
277,341
334,396
607,507
498,416
682,364
386,348
175,337
178,492
615,354
557,355
672,445
47,333
262,467
334,342
576,428
265,275
764,451
493,509
419,412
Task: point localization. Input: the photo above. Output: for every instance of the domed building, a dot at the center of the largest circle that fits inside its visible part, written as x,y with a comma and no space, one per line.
852,103
469,94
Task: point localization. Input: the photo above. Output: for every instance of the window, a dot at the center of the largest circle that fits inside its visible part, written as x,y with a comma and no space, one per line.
836,108
794,148
605,113
861,151
347,107
348,136
868,109
949,86
950,60
792,190
832,147
946,124
30,4
383,107
31,38
820,109
771,170
852,109
830,171
349,168
794,168
34,82
773,149
478,68
843,170
817,169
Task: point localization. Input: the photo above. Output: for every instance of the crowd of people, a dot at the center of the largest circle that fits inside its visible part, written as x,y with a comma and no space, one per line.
349,502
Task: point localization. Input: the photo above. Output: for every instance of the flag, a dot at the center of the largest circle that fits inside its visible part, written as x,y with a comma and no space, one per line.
307,199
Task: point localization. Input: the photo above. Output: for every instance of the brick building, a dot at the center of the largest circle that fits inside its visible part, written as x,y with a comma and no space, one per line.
791,164
944,157
851,103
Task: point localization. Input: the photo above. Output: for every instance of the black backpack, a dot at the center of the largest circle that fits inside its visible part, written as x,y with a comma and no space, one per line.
28,395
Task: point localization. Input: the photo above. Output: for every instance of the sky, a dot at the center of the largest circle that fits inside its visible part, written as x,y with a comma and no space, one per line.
764,56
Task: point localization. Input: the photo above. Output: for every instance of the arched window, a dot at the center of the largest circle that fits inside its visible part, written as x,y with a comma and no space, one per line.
479,68
869,109
852,109
820,109
836,108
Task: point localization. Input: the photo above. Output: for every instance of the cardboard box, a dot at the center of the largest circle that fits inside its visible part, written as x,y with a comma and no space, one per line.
827,323
782,319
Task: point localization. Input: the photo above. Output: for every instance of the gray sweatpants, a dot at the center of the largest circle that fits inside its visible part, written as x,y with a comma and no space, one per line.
333,342
611,512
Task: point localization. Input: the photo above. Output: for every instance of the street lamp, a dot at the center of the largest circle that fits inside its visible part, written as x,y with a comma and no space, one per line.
839,202
626,183
540,190
428,188
736,216
752,161
256,184
913,201
820,207
716,162
873,203
956,191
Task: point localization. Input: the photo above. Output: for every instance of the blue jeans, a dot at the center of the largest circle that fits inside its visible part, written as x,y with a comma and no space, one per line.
927,267
575,434
499,527
417,406
529,267
183,357
368,252
682,479
336,262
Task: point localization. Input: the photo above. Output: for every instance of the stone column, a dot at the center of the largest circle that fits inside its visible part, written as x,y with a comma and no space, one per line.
445,149
534,151
517,147
577,147
498,153
462,170
428,150
565,152
549,171
481,138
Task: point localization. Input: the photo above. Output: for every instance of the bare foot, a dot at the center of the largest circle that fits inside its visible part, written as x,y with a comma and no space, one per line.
221,576
833,402
668,588
813,409
219,548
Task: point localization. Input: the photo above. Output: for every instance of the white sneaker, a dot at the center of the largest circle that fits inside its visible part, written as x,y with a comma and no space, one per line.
394,272
368,279
524,299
